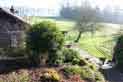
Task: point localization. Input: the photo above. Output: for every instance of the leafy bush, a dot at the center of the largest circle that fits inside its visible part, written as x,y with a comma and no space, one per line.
99,77
83,62
43,37
72,70
56,58
91,66
50,75
85,72
88,73
71,56
65,56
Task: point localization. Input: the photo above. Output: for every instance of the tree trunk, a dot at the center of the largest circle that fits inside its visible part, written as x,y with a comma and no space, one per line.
78,38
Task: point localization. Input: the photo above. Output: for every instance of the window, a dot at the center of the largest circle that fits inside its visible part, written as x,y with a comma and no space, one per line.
13,40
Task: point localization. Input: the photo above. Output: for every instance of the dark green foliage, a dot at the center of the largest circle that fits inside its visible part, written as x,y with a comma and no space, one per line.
65,56
83,62
71,56
72,70
85,72
118,53
99,77
44,36
56,58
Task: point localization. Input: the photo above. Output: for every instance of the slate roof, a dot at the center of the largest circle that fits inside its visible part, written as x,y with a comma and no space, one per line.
8,16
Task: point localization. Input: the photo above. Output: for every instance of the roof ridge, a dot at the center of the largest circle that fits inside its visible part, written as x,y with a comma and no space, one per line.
15,16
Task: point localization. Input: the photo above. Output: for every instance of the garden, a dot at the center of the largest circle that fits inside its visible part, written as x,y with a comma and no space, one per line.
48,60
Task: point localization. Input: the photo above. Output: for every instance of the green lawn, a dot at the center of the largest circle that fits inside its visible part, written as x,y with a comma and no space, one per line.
63,24
99,46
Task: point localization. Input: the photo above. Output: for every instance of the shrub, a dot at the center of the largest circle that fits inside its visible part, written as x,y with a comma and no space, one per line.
56,58
91,66
65,56
83,62
50,75
91,74
85,72
99,77
71,56
75,61
72,70
118,53
43,37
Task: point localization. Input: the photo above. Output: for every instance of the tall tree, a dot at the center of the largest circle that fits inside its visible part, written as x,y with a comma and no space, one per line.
86,20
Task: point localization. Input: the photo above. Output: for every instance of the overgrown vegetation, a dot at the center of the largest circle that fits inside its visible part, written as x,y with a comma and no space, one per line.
44,41
71,56
44,38
53,51
66,56
85,72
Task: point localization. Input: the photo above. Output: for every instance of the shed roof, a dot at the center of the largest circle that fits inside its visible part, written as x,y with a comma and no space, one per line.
8,15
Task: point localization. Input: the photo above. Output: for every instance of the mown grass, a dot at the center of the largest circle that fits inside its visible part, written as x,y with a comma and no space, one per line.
99,45
96,47
63,24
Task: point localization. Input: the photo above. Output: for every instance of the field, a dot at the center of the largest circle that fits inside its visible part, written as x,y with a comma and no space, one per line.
62,23
99,45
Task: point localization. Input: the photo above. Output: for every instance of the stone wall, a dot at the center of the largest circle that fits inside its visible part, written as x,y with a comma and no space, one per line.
12,31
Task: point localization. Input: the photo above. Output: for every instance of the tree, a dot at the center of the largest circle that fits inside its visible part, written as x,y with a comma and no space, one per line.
86,20
43,38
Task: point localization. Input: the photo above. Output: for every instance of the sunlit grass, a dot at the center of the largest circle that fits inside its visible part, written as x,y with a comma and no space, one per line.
64,25
94,46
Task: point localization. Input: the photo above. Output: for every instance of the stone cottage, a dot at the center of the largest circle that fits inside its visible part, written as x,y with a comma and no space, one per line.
12,29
